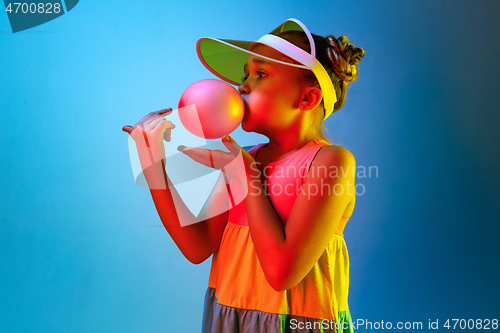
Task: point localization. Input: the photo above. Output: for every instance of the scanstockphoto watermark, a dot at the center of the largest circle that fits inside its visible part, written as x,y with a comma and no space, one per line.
333,180
430,324
335,326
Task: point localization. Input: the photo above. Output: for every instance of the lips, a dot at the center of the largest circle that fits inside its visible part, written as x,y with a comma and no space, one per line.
246,109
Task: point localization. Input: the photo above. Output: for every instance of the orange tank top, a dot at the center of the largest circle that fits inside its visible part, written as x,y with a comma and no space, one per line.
236,274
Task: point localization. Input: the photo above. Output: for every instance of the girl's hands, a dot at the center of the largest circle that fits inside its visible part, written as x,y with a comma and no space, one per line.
237,163
148,134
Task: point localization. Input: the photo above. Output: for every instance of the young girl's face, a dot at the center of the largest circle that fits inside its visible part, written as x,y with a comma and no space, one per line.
271,91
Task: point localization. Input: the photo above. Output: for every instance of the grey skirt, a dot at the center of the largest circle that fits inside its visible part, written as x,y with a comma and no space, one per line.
219,318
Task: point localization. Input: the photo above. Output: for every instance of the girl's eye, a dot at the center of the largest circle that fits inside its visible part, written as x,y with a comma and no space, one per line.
260,74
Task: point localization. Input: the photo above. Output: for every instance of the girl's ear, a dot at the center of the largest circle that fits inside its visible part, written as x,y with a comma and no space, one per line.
311,98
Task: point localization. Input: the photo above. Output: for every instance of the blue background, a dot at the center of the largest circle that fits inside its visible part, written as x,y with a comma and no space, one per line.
81,246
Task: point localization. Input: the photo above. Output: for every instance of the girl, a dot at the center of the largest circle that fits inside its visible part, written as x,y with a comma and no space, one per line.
280,262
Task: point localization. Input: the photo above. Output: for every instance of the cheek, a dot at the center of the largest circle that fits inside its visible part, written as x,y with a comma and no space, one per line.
270,99
259,101
259,104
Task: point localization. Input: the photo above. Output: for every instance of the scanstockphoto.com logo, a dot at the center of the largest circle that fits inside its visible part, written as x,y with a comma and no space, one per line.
26,15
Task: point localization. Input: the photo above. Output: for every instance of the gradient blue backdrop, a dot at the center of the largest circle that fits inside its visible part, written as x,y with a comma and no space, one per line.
81,246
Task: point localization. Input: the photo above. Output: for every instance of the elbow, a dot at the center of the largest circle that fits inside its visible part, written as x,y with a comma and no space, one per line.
276,284
196,261
278,287
198,254
280,280
196,258
281,285
283,273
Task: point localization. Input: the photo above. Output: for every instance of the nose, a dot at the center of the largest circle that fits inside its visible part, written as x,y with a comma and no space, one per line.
243,88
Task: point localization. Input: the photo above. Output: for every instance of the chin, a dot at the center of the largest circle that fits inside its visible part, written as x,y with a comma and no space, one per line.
248,126
244,126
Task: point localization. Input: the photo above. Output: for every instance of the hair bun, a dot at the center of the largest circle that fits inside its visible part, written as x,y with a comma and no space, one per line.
344,57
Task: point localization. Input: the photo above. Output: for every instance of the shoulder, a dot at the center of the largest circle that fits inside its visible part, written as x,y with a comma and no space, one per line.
334,165
334,155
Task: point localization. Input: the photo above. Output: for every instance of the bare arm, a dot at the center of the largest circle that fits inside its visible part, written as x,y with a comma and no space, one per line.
288,254
196,238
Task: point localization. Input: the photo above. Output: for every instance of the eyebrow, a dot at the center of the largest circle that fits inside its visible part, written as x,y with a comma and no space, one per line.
259,61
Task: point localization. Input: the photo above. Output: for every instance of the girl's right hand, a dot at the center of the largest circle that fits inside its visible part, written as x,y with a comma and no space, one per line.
148,134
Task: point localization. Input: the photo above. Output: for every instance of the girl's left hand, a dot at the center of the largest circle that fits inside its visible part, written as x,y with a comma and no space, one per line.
237,163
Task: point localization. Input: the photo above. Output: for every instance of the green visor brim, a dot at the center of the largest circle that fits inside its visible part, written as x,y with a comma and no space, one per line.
226,59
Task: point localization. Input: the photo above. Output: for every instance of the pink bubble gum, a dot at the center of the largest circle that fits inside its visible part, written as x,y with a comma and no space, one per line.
211,109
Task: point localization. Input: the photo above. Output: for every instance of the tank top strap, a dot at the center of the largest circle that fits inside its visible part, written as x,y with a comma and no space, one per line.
304,157
305,154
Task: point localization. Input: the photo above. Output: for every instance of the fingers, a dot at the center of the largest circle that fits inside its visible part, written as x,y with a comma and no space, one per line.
160,124
163,128
163,112
230,144
153,118
159,128
198,152
216,159
127,129
148,118
167,134
152,125
202,158
164,123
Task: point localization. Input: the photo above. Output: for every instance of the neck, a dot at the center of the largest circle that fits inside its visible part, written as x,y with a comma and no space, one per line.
291,139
